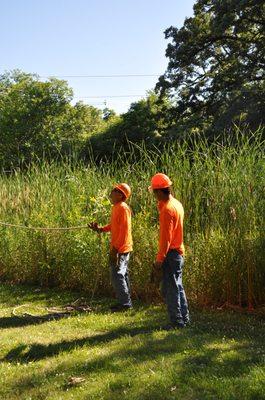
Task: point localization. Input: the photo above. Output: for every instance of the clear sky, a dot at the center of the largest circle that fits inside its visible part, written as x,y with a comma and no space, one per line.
91,37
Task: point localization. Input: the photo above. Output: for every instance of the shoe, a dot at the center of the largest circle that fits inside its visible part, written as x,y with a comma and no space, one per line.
120,307
172,327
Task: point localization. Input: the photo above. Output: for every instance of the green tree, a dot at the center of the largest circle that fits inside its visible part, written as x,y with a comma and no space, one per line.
215,73
144,121
38,120
28,110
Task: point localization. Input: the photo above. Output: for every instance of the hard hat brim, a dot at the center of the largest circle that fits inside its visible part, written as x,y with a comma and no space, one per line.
120,189
150,188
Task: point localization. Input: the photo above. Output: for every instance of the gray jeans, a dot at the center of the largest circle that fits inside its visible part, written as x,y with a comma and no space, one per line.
172,288
120,279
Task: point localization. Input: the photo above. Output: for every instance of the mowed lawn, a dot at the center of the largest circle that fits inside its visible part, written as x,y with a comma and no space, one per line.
126,356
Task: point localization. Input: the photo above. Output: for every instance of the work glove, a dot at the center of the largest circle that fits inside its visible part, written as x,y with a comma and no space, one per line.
94,226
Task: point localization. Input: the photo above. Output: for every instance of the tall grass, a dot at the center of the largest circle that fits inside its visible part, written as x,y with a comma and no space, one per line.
221,188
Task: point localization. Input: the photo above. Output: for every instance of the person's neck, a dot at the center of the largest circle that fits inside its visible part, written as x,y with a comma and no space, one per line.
165,197
117,202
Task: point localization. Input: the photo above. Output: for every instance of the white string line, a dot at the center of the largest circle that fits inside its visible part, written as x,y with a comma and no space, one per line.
38,228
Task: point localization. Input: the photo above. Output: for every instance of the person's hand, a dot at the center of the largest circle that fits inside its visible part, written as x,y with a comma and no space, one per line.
113,255
94,226
156,273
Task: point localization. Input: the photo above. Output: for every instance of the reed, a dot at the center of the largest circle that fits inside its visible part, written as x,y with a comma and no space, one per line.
220,186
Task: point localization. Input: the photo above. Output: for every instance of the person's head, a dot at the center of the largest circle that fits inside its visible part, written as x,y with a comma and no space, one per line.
120,192
162,194
160,185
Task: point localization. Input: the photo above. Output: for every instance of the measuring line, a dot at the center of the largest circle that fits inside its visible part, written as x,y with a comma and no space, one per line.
39,228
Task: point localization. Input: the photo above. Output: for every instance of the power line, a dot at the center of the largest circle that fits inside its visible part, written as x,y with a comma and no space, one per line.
108,97
102,76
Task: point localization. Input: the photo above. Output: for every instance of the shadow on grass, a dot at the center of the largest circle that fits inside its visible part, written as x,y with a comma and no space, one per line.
16,295
196,359
37,351
16,322
27,319
202,332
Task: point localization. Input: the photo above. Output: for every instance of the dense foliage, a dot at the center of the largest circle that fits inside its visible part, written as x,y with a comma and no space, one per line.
215,73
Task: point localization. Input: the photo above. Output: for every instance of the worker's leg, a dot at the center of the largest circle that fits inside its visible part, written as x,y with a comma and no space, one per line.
183,299
120,279
172,268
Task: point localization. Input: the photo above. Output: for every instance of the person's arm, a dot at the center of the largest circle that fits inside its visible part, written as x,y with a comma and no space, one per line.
106,228
165,235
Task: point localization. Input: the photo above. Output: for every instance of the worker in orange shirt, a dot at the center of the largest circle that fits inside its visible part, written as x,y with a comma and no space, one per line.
121,244
170,257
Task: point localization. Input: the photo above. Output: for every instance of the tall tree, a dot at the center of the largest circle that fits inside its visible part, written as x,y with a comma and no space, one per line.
215,72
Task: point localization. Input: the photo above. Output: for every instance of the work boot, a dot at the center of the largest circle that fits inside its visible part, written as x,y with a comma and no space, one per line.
120,307
173,326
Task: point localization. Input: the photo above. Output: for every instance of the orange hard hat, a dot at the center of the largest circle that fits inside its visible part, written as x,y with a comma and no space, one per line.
124,188
160,181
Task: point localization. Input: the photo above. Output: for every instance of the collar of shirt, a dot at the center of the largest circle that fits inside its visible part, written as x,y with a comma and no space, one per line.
162,203
118,204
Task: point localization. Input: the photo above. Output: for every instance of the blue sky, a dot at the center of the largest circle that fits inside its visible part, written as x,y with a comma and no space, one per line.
90,37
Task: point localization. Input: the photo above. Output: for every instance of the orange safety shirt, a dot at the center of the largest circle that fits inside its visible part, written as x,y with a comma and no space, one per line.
120,227
171,215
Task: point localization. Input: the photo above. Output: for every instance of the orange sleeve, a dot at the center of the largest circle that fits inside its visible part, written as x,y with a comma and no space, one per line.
123,237
106,228
165,235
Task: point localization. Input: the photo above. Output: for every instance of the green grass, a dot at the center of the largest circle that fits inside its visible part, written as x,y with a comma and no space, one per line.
220,356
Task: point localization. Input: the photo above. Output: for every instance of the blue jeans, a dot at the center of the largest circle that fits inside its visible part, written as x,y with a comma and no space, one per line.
172,288
120,279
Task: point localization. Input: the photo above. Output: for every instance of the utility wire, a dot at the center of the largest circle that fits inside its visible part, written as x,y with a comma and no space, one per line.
104,97
102,76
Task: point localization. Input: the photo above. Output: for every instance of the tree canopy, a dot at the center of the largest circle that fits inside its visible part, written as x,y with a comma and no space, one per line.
38,120
215,71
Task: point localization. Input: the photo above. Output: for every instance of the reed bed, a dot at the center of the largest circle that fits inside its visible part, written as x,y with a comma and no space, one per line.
220,186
